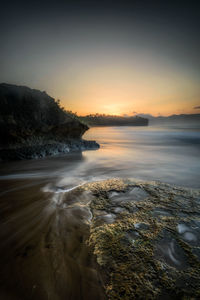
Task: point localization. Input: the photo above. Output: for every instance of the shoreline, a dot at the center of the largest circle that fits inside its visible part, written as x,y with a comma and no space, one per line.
46,150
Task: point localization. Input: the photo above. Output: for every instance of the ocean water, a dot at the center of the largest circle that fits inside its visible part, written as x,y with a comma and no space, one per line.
167,154
150,153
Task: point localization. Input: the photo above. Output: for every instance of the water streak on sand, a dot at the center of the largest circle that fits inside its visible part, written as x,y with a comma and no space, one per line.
47,235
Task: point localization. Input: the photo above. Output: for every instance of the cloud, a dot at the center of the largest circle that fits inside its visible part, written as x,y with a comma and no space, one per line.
196,107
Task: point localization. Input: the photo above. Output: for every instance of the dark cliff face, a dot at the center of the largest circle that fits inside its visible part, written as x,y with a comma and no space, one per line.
26,114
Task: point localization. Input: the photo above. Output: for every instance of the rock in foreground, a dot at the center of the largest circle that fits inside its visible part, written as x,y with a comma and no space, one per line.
32,125
146,237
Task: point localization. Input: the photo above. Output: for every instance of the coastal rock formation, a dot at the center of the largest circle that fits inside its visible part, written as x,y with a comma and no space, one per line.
32,124
146,237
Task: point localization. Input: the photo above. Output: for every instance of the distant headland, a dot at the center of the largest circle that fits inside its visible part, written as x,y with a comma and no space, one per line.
112,120
181,119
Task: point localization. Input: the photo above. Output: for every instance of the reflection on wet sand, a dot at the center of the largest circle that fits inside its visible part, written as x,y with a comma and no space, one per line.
43,249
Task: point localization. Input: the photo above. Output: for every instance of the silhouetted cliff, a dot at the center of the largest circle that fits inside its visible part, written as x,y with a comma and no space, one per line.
31,119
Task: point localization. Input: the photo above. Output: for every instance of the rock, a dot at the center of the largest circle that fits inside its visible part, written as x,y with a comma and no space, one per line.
149,252
33,125
41,151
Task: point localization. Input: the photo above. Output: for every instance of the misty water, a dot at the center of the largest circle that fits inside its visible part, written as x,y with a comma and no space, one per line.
148,153
44,224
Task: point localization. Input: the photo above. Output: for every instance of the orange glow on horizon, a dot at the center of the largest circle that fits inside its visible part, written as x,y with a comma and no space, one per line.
129,88
130,108
165,110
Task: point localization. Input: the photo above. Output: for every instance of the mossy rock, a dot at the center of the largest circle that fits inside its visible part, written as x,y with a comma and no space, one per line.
149,248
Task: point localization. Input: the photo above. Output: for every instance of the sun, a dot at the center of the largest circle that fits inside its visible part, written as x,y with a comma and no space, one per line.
111,109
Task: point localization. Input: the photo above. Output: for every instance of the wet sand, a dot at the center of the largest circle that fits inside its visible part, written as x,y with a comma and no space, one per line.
43,244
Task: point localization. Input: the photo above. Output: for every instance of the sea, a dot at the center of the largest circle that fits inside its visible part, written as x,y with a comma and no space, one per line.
168,154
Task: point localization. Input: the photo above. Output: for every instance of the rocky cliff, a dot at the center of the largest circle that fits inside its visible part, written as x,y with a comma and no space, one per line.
32,124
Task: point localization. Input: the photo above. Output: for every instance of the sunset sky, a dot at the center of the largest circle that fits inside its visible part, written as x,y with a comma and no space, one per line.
113,57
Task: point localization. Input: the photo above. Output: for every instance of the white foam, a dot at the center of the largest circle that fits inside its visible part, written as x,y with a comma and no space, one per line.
171,253
190,237
182,228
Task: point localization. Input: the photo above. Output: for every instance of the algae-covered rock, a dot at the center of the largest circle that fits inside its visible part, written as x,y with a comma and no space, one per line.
146,237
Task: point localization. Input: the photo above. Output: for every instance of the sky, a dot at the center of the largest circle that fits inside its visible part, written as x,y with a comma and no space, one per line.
112,57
